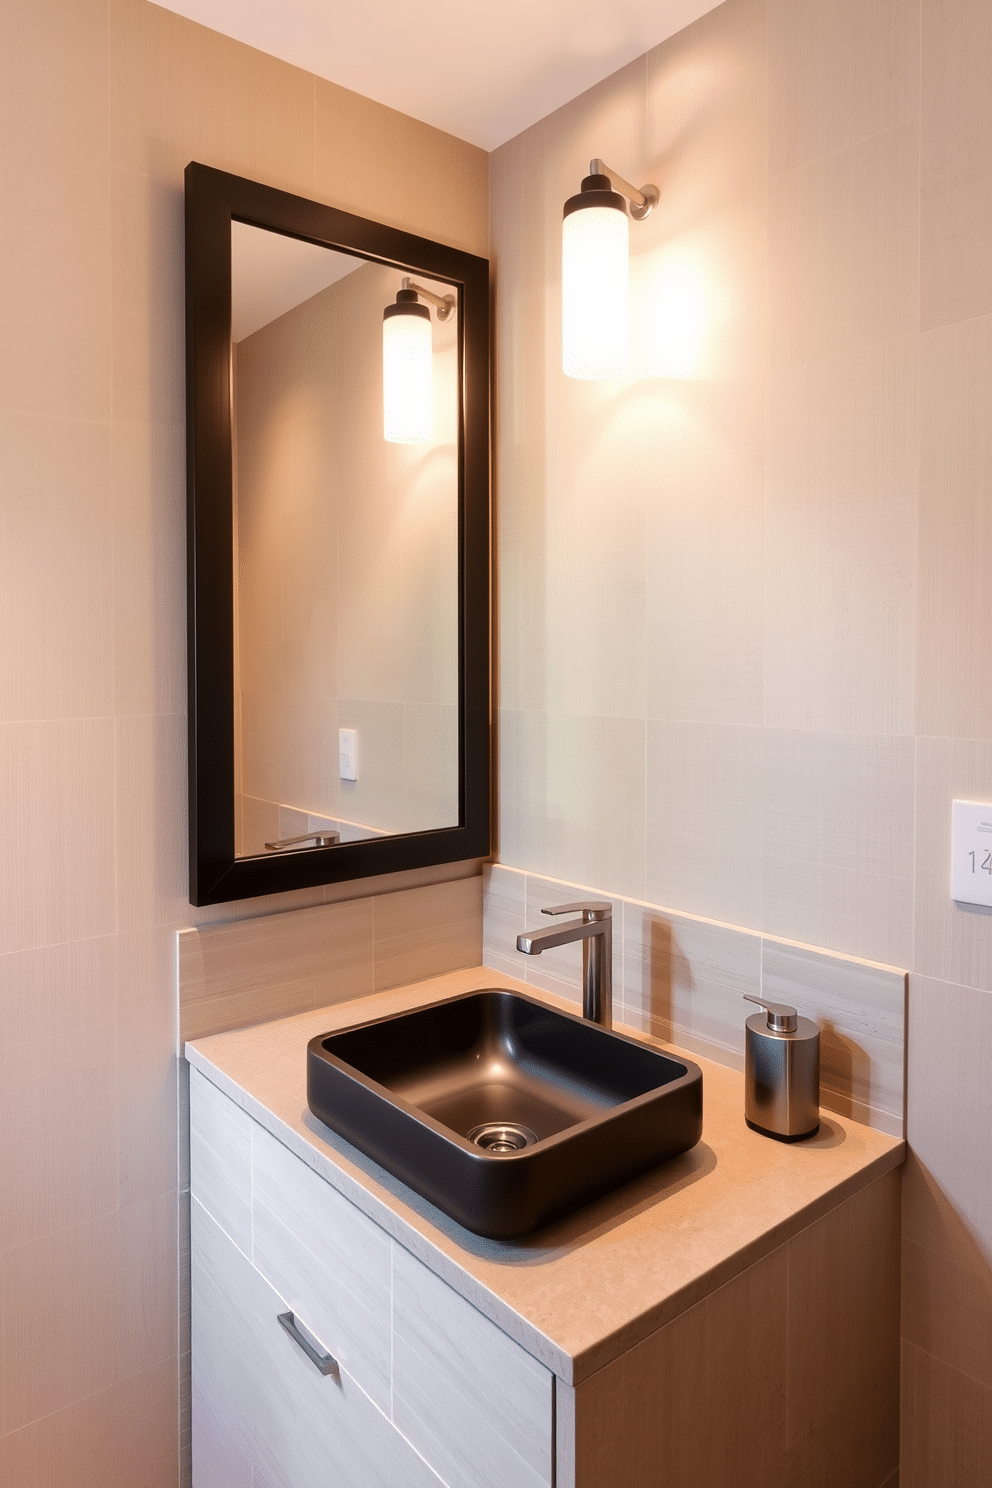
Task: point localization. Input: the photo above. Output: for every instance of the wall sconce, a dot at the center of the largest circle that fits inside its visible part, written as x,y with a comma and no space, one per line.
408,364
595,272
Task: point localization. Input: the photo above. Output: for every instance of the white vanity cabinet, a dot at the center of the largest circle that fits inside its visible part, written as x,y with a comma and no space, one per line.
773,1365
427,1391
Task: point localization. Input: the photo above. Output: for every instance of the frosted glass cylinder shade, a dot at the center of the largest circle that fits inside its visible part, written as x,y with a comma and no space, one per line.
595,292
407,375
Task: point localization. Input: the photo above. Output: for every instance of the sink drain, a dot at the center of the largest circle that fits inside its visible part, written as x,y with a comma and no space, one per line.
502,1136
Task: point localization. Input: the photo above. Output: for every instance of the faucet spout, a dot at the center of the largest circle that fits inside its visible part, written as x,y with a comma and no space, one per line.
595,931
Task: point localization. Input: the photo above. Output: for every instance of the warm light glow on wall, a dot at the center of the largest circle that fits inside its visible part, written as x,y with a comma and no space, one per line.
595,272
407,373
595,293
678,320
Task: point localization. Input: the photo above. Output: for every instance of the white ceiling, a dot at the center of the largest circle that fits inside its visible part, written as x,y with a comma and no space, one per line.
482,71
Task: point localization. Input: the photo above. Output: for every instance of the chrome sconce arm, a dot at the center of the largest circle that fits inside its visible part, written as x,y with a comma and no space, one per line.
641,198
443,304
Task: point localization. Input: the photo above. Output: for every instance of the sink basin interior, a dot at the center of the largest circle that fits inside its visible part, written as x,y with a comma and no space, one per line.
494,1059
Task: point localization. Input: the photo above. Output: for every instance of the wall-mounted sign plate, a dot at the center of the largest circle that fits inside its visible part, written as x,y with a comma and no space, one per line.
971,852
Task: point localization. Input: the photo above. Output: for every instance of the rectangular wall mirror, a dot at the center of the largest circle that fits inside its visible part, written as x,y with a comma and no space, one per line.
338,544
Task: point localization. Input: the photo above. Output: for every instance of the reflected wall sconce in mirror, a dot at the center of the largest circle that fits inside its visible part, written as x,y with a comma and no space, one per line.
408,364
595,272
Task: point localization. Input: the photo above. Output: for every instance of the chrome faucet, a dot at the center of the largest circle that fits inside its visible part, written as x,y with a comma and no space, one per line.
595,930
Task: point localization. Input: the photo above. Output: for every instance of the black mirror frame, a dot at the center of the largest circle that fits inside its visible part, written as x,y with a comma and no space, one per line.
213,198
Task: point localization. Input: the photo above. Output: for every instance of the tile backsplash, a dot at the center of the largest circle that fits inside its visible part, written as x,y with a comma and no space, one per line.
683,979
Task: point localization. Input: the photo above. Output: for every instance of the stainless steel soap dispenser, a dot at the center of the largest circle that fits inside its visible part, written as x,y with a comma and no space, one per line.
781,1072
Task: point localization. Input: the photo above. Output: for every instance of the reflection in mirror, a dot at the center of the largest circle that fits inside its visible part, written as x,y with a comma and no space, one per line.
345,558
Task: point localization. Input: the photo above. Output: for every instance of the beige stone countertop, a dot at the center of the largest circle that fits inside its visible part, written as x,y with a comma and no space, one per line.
583,1291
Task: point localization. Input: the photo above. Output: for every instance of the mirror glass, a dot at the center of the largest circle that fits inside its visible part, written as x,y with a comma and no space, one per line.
346,557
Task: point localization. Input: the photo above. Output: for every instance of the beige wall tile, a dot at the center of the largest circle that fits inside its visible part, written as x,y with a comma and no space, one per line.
705,820
57,854
58,1110
55,566
954,628
150,821
54,304
594,571
385,165
684,976
423,932
146,1088
840,542
843,254
149,592
947,1310
87,1308
701,561
946,1425
838,74
247,971
956,162
948,1201
952,941
117,1438
572,797
947,1236
838,842
181,92
147,240
504,909
861,1010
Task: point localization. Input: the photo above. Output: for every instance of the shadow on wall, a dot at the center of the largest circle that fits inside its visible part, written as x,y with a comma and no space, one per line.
844,1068
693,993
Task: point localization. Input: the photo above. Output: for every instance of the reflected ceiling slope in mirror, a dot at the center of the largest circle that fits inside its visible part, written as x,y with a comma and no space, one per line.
336,581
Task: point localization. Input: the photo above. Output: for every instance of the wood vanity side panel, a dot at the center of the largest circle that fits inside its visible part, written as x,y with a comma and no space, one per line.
701,1401
475,1404
796,1359
843,1381
331,1263
220,1158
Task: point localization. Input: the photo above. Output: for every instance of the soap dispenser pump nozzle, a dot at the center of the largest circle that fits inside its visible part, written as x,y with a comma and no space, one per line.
781,1017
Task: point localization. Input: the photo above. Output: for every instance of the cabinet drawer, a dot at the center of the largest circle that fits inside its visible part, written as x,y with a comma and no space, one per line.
257,1396
327,1259
475,1404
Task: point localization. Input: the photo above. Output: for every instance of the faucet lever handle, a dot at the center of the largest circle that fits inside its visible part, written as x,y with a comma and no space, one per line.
590,909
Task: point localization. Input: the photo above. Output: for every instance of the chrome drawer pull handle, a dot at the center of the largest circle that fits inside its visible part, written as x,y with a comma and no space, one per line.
326,1363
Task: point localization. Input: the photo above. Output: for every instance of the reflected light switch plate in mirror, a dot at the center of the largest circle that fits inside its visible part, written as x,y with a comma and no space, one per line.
348,754
971,852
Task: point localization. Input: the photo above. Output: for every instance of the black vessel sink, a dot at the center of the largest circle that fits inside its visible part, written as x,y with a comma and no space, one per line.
503,1112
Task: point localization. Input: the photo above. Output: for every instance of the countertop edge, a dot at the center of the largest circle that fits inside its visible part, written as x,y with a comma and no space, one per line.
572,1370
590,1361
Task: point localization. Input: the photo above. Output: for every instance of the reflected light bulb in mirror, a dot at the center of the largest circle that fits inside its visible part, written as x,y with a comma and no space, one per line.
407,371
595,280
